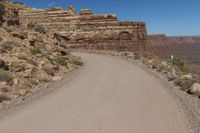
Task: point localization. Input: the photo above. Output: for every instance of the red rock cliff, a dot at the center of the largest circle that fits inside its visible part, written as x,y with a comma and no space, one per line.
88,30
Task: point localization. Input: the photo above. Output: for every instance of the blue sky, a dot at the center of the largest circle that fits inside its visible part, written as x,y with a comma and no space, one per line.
171,17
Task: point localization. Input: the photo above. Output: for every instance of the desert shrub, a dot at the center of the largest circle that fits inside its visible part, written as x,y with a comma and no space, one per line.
6,46
181,65
1,6
31,25
124,54
18,66
136,56
36,27
35,51
33,81
40,29
44,79
8,28
5,76
22,57
5,89
49,70
62,60
50,58
184,84
76,61
62,44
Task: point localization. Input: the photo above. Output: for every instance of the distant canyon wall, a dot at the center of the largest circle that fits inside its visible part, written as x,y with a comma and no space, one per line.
162,39
184,47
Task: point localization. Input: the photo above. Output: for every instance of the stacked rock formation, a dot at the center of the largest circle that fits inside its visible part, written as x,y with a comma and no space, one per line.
88,30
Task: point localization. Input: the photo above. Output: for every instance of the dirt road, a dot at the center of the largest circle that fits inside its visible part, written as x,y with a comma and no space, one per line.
108,96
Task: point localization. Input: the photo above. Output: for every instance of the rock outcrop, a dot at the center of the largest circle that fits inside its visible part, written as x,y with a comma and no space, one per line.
88,30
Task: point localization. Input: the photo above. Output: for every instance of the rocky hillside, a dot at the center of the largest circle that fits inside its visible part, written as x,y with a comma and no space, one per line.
30,57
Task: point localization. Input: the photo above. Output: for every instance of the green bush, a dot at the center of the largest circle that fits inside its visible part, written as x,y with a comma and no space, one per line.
181,65
1,5
62,44
35,51
76,61
62,60
5,76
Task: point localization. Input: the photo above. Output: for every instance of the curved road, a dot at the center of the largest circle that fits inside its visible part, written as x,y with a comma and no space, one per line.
108,96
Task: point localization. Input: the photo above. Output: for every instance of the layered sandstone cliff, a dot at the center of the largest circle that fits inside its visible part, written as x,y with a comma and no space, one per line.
88,30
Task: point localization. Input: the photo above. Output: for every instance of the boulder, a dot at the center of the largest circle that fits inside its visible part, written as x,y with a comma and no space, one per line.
164,63
4,98
64,52
188,76
56,78
15,81
3,83
195,88
28,73
20,35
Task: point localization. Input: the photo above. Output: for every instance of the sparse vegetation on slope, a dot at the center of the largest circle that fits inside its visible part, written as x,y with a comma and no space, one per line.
30,59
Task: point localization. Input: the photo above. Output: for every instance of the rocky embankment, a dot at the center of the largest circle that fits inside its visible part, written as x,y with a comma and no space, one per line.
31,58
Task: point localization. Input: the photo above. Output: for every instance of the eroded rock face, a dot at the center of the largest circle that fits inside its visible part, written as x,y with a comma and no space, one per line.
88,30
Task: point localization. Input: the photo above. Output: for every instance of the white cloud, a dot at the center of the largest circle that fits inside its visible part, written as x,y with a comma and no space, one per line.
51,4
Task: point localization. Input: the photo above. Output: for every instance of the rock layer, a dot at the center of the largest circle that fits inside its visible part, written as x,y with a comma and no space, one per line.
88,30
